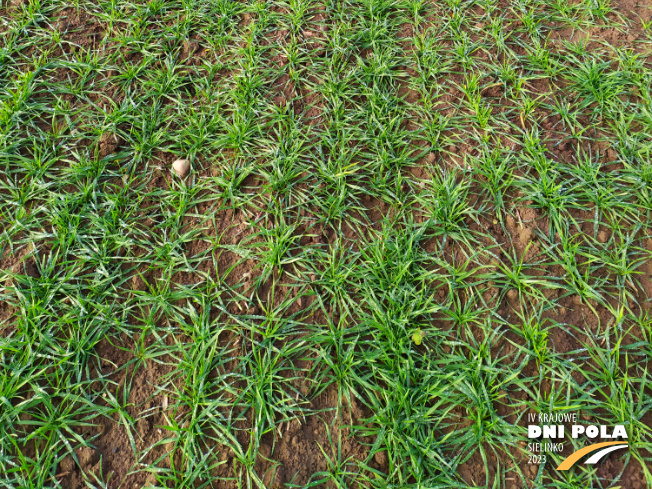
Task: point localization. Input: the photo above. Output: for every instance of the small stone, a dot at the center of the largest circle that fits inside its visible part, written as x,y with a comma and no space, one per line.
512,294
181,167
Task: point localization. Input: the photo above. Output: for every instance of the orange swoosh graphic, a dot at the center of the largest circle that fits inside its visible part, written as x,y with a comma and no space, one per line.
569,461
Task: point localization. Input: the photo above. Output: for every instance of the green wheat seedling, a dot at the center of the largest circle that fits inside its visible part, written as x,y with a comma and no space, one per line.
423,218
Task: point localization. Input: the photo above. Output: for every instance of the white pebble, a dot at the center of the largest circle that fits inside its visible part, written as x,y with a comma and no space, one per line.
181,167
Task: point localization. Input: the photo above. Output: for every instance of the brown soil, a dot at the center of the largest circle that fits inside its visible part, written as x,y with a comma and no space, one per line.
112,457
